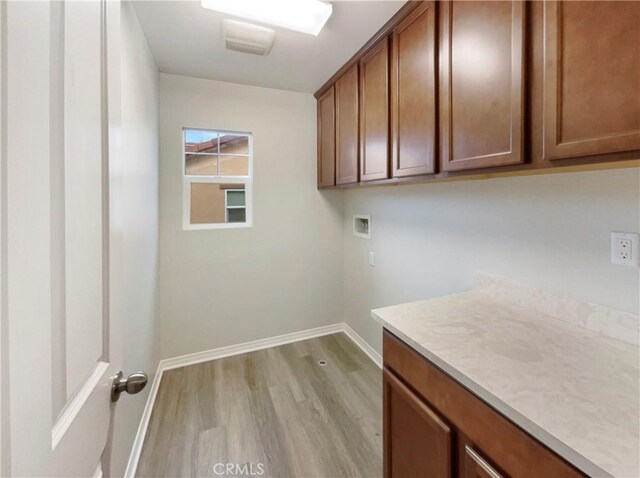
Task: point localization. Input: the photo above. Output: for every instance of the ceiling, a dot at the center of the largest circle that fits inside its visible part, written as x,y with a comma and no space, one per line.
186,39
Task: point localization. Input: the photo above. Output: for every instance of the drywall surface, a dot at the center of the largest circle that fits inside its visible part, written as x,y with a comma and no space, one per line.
139,228
550,231
227,286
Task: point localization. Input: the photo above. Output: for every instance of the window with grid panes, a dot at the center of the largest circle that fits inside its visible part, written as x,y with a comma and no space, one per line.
217,179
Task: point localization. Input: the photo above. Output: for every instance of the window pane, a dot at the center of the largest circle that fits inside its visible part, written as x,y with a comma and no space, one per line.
201,164
235,198
208,203
236,215
234,144
234,166
200,141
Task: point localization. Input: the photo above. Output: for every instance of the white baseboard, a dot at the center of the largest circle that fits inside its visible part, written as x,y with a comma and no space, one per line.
207,355
364,346
136,449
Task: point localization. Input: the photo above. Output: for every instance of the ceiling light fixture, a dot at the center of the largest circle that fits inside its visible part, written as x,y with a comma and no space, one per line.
306,16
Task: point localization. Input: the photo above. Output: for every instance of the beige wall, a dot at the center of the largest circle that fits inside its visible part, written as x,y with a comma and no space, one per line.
550,231
284,274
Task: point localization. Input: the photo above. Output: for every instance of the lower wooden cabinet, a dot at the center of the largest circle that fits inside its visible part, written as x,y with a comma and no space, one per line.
421,440
473,465
436,428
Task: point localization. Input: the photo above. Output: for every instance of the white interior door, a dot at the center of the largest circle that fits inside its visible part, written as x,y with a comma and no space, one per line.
60,112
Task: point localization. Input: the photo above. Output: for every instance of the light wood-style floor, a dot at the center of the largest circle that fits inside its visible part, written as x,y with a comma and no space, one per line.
276,407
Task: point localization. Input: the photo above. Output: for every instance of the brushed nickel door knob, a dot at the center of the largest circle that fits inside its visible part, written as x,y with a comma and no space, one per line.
133,384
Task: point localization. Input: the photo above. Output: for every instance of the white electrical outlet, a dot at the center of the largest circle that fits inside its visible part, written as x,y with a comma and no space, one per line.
625,249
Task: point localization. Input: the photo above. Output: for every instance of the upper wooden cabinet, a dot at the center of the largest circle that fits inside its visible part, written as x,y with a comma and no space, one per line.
421,441
451,88
591,78
413,93
327,139
347,127
481,84
374,112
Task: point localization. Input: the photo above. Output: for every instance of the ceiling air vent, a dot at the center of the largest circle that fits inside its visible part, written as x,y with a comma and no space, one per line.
248,38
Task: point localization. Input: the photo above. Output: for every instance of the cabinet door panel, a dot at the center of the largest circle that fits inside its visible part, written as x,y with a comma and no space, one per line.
591,78
374,113
476,466
347,127
326,139
413,94
482,76
416,442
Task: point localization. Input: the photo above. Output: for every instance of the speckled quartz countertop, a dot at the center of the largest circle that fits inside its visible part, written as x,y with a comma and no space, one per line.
575,390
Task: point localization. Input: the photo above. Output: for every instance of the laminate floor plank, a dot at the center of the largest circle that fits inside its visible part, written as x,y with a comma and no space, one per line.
211,444
274,410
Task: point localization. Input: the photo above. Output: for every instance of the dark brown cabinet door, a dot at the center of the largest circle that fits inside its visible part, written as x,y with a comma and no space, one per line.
591,78
475,466
347,127
327,139
481,84
417,444
413,93
374,113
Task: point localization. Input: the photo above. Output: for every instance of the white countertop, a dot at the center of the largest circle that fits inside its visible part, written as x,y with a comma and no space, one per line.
575,390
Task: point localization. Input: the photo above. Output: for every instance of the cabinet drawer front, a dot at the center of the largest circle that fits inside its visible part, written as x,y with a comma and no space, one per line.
516,452
413,93
347,127
417,441
591,78
481,84
476,466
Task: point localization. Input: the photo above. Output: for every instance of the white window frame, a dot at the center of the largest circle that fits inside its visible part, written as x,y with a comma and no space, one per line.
227,207
187,180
